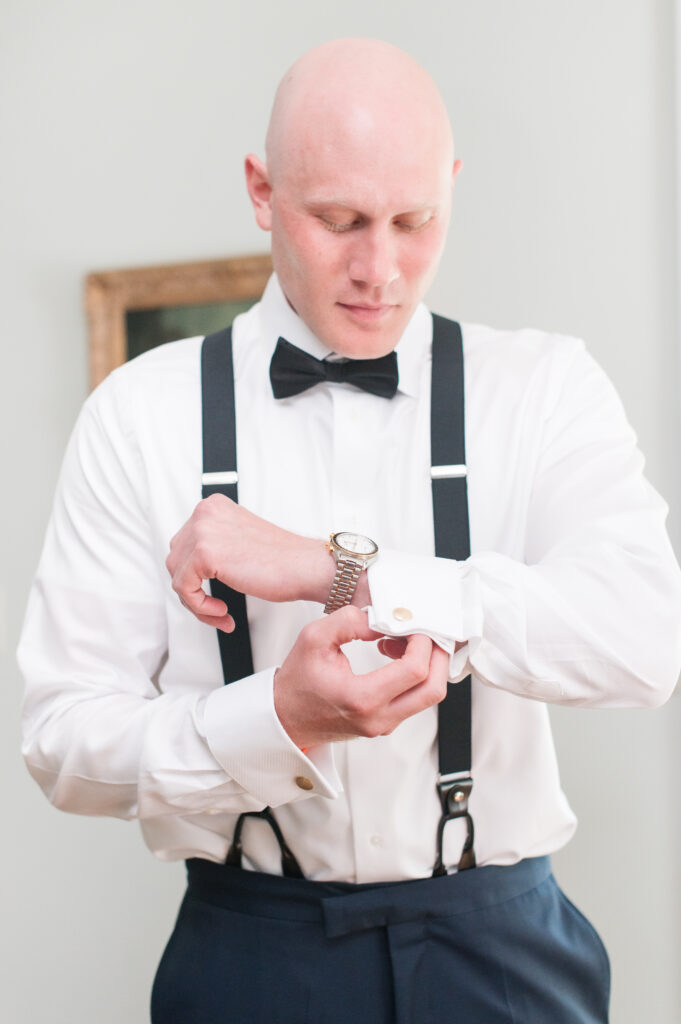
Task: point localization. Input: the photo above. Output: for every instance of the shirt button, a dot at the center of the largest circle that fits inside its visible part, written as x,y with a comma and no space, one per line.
376,840
402,614
213,810
302,782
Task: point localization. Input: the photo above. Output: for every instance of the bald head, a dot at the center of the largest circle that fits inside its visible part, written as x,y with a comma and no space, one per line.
351,90
356,191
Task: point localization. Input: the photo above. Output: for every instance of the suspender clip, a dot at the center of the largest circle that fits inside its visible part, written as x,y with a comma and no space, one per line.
454,792
290,868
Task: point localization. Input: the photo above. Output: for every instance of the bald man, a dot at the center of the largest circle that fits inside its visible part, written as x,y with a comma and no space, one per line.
367,830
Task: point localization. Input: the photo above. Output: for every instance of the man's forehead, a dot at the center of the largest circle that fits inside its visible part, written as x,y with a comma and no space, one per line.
369,177
354,170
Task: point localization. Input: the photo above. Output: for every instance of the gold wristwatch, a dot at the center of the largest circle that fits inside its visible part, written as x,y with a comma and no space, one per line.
353,554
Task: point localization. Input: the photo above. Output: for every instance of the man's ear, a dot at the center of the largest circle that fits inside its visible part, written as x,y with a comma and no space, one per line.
260,191
458,164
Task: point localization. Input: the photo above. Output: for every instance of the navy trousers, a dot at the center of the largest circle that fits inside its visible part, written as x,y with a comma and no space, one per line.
493,945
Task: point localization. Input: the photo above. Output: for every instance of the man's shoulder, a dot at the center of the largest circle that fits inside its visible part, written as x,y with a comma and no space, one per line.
524,368
526,343
157,387
172,358
518,354
174,364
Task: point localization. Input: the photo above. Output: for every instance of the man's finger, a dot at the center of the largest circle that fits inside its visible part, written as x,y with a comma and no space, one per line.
198,602
346,624
392,646
405,672
225,623
431,691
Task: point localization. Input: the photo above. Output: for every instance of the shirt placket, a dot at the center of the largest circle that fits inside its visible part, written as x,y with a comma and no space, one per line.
356,499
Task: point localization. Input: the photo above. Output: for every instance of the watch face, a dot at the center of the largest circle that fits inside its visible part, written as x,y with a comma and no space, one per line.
355,543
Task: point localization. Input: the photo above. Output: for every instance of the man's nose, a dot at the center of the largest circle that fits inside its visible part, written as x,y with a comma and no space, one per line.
374,258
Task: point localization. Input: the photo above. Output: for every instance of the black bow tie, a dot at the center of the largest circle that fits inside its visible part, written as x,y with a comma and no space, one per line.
293,371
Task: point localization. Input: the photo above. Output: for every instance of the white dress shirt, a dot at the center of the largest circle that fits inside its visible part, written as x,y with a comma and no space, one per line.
571,596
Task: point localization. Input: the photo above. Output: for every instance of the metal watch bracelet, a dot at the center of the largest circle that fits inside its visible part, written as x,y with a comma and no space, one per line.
344,584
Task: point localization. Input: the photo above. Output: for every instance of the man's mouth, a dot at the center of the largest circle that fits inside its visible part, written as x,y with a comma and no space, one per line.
367,311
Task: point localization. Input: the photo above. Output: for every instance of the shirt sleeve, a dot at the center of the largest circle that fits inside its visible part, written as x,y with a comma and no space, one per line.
591,614
100,735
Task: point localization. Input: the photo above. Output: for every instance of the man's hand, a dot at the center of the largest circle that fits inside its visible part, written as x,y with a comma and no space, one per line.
318,699
224,540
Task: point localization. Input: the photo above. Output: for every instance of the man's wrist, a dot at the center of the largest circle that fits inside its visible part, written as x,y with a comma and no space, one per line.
362,595
315,570
353,554
321,569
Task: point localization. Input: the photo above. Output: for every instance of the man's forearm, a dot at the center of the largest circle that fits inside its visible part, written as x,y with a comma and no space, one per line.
249,554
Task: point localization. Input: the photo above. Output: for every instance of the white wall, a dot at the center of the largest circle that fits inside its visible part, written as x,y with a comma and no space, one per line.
123,127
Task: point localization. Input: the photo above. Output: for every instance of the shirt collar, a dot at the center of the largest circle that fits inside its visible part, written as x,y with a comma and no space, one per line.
279,320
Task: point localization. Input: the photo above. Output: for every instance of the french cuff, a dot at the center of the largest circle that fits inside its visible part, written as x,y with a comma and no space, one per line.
438,597
249,742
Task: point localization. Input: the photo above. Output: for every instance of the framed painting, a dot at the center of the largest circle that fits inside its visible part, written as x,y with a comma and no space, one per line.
131,311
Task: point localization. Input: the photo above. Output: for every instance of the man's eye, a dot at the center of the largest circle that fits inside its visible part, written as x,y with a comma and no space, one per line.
408,226
331,225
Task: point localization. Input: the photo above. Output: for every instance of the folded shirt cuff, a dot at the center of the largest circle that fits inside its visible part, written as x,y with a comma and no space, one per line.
439,597
249,742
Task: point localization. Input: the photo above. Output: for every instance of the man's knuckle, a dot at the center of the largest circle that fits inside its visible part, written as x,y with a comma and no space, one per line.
370,729
435,692
312,629
202,550
202,511
416,671
308,637
212,504
356,707
352,615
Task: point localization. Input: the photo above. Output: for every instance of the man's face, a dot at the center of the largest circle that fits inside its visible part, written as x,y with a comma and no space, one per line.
357,233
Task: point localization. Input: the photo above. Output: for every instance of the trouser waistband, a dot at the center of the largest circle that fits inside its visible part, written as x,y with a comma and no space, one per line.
344,908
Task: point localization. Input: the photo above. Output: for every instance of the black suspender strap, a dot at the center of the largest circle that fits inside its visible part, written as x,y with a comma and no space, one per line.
452,540
220,477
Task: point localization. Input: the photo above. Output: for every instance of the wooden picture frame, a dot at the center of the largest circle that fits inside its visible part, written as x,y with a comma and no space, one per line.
218,289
